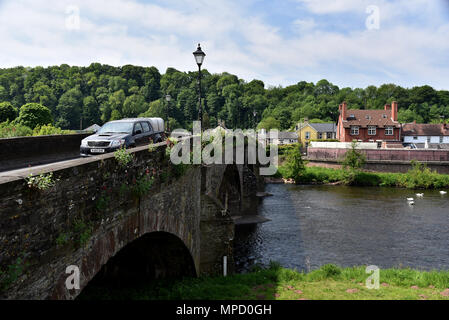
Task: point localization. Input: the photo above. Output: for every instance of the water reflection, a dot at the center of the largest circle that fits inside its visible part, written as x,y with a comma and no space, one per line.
314,225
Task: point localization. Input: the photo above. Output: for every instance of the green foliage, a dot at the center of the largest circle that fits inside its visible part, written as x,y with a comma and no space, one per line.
13,272
83,231
328,282
46,130
354,159
7,112
62,239
34,114
41,182
11,130
269,123
294,166
419,177
103,202
142,185
99,93
123,157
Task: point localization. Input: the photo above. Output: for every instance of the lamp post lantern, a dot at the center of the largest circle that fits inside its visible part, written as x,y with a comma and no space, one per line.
168,99
199,58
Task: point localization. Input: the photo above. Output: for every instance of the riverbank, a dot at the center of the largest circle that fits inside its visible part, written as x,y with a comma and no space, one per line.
419,177
276,283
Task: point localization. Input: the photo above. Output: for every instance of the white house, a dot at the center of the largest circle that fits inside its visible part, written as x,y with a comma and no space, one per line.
277,138
426,135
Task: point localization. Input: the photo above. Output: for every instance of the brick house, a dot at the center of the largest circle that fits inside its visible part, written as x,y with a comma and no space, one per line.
372,125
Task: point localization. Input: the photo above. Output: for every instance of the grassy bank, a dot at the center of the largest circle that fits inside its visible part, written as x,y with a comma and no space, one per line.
275,283
419,177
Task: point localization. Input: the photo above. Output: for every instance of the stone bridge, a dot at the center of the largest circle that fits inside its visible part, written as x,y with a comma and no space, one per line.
148,218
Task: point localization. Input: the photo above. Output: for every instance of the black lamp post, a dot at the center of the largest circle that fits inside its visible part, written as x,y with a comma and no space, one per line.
199,58
168,98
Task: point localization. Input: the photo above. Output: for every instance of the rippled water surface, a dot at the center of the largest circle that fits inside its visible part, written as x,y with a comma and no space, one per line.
314,225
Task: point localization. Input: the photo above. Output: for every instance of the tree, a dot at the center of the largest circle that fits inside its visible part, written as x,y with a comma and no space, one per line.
34,114
269,123
354,159
295,166
69,109
134,105
7,112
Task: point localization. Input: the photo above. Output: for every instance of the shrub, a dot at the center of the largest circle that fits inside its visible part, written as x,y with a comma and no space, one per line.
46,130
294,167
34,114
123,157
11,130
7,112
40,182
354,159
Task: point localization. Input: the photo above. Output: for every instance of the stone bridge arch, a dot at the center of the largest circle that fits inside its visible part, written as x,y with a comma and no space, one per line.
154,255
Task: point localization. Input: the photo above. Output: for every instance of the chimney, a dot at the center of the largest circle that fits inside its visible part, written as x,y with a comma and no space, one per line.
342,109
387,107
394,111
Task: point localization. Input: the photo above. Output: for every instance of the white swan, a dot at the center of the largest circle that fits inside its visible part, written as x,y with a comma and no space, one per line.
443,192
420,195
410,199
411,203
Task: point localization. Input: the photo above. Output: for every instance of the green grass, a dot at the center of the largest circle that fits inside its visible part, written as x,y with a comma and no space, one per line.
419,177
330,282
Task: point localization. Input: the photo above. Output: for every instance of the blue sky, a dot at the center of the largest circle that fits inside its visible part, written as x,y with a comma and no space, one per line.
279,42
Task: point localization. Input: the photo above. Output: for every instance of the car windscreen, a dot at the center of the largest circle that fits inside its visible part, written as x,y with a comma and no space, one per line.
117,127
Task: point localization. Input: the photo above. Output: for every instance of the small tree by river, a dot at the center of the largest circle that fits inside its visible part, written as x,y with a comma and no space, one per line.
353,162
295,165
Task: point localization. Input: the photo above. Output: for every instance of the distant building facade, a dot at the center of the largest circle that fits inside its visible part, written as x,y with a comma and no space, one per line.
282,137
372,125
308,132
426,135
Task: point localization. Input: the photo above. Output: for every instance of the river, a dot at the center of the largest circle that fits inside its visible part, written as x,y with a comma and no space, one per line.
314,225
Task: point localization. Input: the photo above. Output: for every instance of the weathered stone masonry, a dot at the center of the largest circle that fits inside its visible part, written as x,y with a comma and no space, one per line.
95,209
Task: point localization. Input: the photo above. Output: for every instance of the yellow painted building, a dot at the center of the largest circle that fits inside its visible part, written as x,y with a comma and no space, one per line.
315,131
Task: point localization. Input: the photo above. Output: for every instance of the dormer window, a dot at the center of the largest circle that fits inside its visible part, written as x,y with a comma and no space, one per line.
351,116
384,116
368,117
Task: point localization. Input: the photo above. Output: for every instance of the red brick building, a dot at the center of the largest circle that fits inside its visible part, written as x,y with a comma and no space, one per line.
369,125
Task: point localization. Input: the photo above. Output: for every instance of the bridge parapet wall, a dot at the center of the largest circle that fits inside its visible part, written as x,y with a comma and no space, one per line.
94,209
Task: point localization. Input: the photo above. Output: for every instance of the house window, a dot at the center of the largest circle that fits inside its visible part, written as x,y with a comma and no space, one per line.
307,135
441,139
329,135
372,130
389,131
415,138
354,130
428,139
320,135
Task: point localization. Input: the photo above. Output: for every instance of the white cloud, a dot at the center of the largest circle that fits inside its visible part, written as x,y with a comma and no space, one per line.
234,38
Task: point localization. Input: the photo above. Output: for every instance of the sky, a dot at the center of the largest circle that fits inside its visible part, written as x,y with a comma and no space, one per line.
351,43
